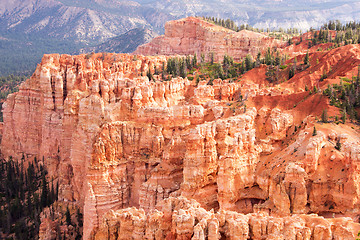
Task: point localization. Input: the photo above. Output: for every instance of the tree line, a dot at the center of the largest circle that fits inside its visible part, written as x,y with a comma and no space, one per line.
230,24
347,33
346,96
24,192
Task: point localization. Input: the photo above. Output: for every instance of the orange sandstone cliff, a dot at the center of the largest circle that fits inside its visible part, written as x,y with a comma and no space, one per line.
192,35
152,159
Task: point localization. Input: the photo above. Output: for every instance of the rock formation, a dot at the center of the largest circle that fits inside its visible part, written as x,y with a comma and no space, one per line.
192,35
153,159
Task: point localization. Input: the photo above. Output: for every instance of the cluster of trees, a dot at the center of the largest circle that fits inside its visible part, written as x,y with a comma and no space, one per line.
230,24
179,66
226,23
10,84
21,53
275,62
227,68
182,66
348,33
346,96
276,65
24,193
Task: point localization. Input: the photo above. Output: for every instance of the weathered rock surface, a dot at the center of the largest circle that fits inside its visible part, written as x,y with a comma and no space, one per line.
179,218
178,160
192,35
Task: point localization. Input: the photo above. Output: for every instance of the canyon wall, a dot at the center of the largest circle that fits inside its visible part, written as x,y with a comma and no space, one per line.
123,147
181,159
192,35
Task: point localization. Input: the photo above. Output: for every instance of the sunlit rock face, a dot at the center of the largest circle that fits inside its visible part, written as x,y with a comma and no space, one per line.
192,35
154,159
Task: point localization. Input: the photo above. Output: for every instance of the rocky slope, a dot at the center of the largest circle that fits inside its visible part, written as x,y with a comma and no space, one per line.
153,159
192,35
125,43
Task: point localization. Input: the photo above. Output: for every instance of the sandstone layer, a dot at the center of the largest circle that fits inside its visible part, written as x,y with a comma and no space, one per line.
177,159
192,35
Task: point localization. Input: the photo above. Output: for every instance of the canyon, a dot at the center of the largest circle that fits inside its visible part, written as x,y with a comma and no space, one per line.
153,159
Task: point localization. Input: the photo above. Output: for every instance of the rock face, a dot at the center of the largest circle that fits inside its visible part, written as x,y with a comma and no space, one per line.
183,160
192,35
180,218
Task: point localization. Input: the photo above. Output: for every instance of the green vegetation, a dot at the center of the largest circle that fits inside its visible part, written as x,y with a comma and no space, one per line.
338,145
324,116
314,132
21,54
306,59
348,33
346,96
228,23
24,193
276,33
183,66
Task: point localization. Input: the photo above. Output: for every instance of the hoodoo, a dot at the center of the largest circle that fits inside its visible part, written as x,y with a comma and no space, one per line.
145,154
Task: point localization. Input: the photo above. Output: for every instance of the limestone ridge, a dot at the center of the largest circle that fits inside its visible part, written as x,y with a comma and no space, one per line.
192,35
153,159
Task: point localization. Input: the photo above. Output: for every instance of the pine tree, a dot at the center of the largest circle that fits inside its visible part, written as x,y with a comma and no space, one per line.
202,57
324,116
314,132
194,61
248,62
79,217
211,56
306,59
44,192
315,90
150,75
343,116
338,145
292,72
183,70
68,216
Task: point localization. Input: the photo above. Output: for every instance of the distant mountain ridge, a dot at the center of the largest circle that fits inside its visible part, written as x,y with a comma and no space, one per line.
90,21
125,43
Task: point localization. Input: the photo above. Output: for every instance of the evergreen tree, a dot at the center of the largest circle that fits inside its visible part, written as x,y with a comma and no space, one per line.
315,90
194,61
291,72
202,57
306,59
211,56
79,217
44,192
338,145
68,216
183,70
248,62
343,116
150,75
314,132
324,116
188,62
163,71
